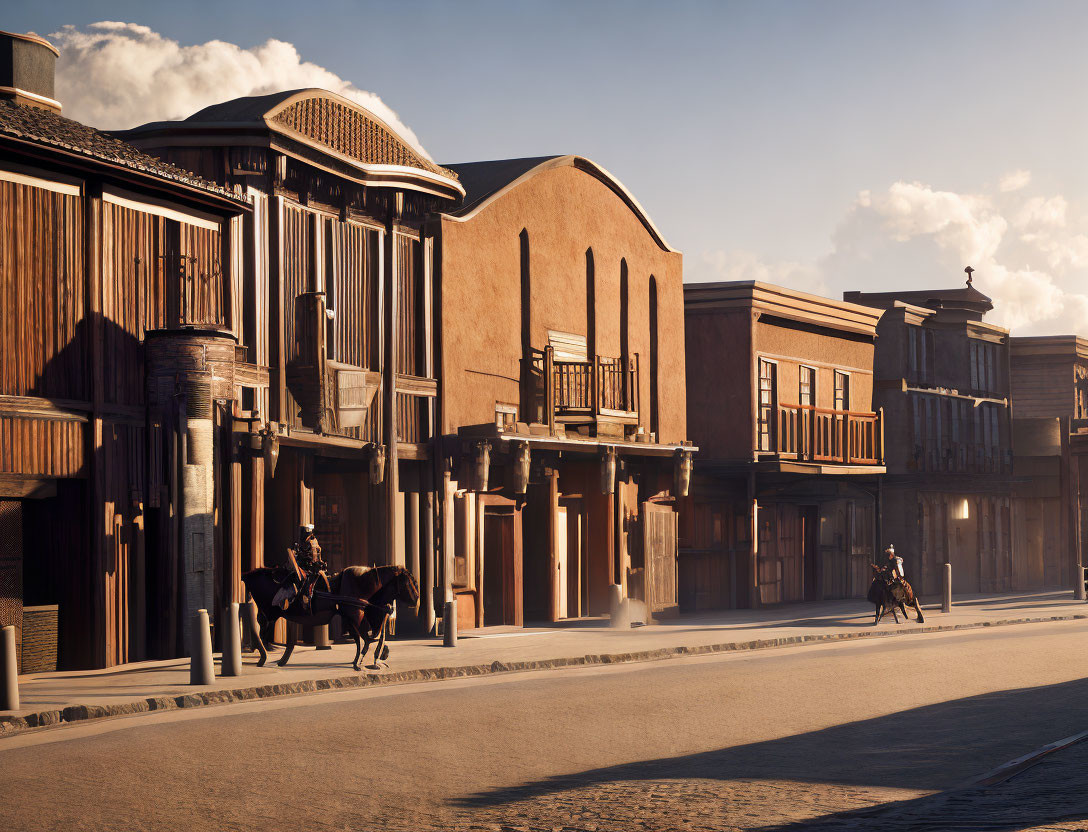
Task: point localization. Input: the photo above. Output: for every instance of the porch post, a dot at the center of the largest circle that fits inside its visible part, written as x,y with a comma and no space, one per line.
753,543
553,543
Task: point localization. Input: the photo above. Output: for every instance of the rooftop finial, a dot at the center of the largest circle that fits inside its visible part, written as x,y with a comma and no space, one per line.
969,270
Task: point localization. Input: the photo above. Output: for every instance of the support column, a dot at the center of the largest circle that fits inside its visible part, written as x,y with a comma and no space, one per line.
553,531
479,562
753,544
427,582
412,512
390,322
448,537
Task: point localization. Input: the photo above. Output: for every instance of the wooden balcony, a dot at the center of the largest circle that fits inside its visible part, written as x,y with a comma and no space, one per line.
817,434
582,392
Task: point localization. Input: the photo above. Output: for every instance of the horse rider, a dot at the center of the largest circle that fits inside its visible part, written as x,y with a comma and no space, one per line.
301,581
893,565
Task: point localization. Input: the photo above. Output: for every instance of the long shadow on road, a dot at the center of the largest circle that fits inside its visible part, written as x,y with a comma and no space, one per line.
929,749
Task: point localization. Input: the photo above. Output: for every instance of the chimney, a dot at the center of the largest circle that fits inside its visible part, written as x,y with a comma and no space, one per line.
28,66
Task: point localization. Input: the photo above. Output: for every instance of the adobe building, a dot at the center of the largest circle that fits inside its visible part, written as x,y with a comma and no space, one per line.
785,500
120,325
562,408
336,424
942,380
1049,378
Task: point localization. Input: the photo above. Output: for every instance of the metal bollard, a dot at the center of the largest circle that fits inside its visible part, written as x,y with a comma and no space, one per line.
1081,575
449,624
321,637
9,671
616,609
201,668
946,589
231,665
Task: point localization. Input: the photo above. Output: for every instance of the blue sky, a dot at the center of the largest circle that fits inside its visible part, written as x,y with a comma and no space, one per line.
827,145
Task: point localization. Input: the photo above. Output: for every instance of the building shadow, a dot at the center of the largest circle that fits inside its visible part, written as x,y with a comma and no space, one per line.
931,749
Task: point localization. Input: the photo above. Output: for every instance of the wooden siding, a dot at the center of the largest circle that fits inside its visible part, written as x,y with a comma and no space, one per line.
43,302
1042,386
42,447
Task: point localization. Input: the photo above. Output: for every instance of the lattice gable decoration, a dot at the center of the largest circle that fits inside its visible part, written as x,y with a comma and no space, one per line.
353,132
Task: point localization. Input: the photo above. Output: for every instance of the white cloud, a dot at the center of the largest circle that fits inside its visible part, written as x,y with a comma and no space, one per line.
1029,251
1014,181
116,75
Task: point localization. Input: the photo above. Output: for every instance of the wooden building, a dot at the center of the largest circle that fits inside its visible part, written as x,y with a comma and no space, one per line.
942,380
562,394
784,505
335,424
106,524
1049,384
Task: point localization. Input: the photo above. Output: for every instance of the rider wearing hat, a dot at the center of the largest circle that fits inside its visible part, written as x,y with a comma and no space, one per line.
894,564
306,556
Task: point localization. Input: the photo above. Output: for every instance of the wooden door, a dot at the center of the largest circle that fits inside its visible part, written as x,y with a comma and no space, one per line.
576,585
561,566
810,552
502,567
660,531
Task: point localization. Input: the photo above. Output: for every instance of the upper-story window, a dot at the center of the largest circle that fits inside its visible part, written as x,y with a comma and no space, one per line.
806,393
984,361
842,390
920,354
768,403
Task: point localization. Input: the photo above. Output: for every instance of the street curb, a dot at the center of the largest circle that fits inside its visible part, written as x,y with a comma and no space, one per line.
11,725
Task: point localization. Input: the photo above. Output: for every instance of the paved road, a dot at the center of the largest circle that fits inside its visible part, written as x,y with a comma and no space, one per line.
781,739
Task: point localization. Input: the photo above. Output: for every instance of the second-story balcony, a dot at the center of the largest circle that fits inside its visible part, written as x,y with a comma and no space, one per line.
816,434
600,390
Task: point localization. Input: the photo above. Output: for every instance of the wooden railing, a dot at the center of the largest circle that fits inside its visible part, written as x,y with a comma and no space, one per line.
572,389
818,434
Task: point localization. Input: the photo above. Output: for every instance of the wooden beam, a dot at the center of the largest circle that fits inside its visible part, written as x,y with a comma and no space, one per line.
17,487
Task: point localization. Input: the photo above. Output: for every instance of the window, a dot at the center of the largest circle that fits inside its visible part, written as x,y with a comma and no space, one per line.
506,415
920,354
806,395
768,404
842,390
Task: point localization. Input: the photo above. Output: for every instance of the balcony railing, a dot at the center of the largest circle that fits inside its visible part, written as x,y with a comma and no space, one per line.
582,391
818,434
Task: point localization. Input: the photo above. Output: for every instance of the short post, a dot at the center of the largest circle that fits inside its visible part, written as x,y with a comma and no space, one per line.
201,668
231,665
1080,576
9,671
321,637
615,606
449,624
253,628
946,588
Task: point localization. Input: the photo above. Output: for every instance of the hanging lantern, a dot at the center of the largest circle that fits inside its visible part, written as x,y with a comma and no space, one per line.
681,474
270,449
521,468
377,465
608,471
483,465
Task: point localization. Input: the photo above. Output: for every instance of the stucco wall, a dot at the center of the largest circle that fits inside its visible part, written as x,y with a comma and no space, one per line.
719,383
564,212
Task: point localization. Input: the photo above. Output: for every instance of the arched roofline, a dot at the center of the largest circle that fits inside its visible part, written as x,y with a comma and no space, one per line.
588,166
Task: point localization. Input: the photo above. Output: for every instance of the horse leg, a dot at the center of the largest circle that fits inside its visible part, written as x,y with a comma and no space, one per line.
877,621
288,648
895,614
381,652
260,645
918,609
358,643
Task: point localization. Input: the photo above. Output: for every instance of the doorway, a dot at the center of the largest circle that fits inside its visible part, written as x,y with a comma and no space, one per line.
810,551
502,595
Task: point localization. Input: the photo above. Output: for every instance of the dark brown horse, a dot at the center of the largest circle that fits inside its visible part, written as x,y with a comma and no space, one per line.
362,596
887,593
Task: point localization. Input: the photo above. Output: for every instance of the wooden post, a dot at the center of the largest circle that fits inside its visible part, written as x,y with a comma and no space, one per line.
9,671
617,536
427,583
753,544
412,510
201,668
231,664
448,537
256,512
946,588
390,321
479,561
553,532
549,387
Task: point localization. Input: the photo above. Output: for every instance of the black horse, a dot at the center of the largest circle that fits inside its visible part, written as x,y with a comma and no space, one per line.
887,592
361,595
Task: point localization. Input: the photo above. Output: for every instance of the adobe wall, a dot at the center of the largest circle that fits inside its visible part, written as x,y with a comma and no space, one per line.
564,212
719,383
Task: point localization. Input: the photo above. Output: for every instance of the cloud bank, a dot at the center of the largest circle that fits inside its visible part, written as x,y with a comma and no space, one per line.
1030,252
116,75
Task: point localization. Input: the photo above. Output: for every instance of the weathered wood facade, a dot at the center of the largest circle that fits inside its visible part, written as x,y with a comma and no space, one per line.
942,379
1049,386
561,407
784,505
340,382
100,248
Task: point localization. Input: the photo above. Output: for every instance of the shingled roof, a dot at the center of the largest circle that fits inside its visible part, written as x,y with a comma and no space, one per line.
43,127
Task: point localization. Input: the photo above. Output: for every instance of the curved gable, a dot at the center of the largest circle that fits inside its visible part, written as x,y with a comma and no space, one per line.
487,182
347,128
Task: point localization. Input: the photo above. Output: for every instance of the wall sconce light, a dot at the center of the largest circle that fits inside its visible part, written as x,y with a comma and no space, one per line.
521,468
681,474
608,471
964,512
483,465
270,449
377,465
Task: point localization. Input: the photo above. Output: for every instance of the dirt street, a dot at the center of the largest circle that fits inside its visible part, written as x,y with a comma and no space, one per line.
780,739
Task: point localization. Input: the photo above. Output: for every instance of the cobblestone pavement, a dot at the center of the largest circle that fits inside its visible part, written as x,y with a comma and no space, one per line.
1050,797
